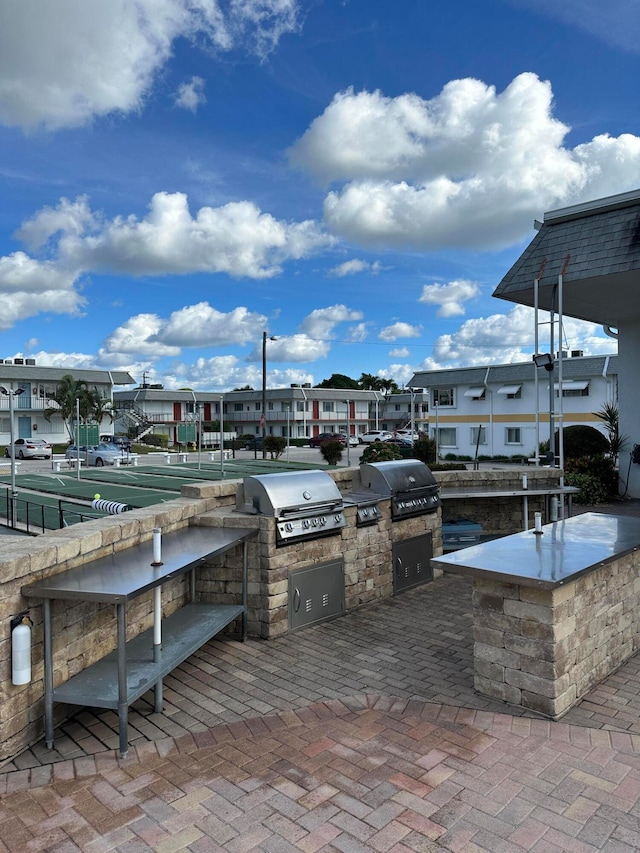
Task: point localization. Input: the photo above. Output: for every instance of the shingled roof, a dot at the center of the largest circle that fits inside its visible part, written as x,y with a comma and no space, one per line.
597,244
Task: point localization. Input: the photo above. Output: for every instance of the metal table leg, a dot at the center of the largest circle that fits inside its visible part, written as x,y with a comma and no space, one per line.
48,673
123,706
245,599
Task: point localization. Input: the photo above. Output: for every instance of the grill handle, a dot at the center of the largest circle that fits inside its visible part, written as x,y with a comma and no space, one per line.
296,600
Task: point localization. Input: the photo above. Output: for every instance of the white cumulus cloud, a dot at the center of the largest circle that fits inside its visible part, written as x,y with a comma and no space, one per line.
354,267
399,330
190,95
468,168
64,63
321,322
450,297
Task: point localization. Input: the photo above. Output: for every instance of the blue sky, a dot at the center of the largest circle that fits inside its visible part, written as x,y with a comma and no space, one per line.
353,177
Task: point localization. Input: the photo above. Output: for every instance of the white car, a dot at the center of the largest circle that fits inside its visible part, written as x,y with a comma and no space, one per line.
407,434
353,439
375,435
30,448
98,454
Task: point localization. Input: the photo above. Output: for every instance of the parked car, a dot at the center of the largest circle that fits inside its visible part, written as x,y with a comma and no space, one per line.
399,442
254,443
323,437
353,439
98,454
120,441
407,434
30,448
375,435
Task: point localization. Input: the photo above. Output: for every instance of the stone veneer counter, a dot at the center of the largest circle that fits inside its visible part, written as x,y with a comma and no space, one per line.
554,612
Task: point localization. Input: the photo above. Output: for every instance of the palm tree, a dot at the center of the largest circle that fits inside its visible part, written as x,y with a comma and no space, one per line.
608,414
71,395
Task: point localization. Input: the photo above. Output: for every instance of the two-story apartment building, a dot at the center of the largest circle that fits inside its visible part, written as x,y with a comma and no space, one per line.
299,411
505,409
37,384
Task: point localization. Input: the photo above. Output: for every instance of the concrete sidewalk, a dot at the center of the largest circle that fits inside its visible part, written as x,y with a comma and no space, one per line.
360,734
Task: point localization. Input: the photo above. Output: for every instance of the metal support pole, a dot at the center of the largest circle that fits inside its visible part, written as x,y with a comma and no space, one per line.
48,673
123,706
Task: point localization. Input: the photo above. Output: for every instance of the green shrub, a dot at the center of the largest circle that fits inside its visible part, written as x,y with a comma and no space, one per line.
424,449
448,466
592,491
582,440
156,440
331,452
275,445
380,451
599,467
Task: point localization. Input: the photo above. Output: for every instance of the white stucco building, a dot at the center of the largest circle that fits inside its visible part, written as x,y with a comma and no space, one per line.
586,259
502,410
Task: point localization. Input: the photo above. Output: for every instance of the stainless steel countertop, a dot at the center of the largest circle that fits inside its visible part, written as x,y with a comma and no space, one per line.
505,492
560,554
126,574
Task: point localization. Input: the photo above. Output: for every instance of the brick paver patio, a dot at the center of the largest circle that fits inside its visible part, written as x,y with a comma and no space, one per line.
361,734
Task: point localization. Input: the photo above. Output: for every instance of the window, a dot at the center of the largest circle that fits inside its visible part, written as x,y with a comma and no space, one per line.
514,435
258,407
511,392
477,393
447,437
397,407
474,436
443,396
572,389
238,407
327,405
270,406
301,406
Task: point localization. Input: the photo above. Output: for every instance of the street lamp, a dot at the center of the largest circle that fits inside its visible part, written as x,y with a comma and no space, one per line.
348,434
263,417
8,392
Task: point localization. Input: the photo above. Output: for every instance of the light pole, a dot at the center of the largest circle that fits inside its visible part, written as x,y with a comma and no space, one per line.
435,406
263,417
288,429
8,392
348,434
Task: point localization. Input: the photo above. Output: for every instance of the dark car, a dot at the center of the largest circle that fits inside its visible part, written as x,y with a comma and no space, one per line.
254,443
119,441
399,442
323,437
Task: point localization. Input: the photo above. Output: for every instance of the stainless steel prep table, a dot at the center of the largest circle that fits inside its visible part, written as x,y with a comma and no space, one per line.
127,673
472,493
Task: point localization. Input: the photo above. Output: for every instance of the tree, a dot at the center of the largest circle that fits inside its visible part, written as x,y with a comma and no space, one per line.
72,395
369,382
609,415
245,388
339,380
103,408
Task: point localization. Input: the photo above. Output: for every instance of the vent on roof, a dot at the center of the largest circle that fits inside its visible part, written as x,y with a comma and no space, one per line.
8,361
577,353
18,360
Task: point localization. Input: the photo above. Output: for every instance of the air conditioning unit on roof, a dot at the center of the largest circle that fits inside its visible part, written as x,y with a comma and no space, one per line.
30,361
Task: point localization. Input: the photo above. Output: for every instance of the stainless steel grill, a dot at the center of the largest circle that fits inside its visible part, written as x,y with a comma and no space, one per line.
367,509
305,504
408,482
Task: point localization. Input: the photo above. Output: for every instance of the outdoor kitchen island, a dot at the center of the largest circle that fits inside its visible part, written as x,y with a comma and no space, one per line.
554,610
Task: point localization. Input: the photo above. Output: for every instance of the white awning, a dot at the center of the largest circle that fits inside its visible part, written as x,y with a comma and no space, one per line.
475,392
509,389
571,386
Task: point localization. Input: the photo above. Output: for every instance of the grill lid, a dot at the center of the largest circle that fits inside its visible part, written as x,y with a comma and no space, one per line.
399,477
289,491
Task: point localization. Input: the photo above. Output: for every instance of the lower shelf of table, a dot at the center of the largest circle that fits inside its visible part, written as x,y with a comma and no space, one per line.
183,633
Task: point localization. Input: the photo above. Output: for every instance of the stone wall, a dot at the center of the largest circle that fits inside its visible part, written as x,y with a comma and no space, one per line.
83,633
498,516
544,649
